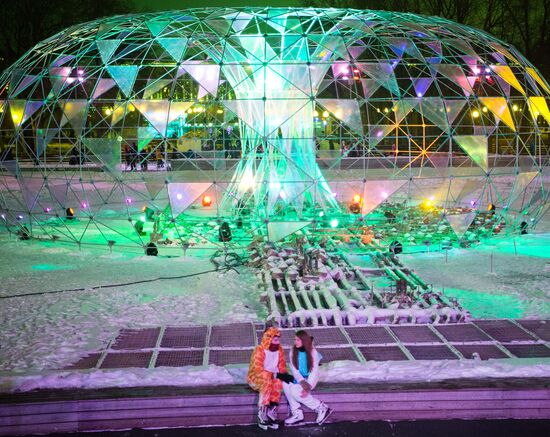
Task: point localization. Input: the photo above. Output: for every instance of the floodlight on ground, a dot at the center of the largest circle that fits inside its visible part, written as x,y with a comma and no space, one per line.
69,213
151,249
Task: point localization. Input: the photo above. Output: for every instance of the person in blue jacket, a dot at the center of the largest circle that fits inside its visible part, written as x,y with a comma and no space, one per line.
304,364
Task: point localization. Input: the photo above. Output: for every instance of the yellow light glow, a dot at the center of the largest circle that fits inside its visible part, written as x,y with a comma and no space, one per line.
219,111
131,108
315,114
484,109
325,114
108,111
515,107
475,114
357,198
386,110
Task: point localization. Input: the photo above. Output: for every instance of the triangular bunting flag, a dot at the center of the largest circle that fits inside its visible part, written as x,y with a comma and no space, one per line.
455,74
376,192
421,85
461,222
276,231
434,110
22,110
521,183
499,107
183,194
24,83
125,76
476,148
154,86
156,27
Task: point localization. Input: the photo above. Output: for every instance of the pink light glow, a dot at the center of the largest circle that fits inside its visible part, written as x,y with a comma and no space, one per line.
47,209
84,205
128,200
384,195
476,70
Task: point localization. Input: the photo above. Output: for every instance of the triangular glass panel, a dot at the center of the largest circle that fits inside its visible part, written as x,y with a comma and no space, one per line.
145,136
434,110
107,150
155,111
533,73
154,187
183,194
125,76
382,73
153,86
346,110
102,86
421,85
499,107
156,27
58,192
277,231
507,75
75,111
174,46
476,148
456,75
177,109
24,83
250,112
461,222
369,87
453,108
106,48
12,167
207,76
538,106
376,192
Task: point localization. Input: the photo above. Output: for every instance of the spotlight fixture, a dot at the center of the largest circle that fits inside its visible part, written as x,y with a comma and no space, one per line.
69,214
225,232
151,249
206,201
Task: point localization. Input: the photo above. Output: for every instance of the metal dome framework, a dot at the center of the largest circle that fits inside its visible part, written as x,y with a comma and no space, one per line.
280,112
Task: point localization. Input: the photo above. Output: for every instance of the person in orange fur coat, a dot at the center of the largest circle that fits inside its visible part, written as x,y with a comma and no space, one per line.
266,374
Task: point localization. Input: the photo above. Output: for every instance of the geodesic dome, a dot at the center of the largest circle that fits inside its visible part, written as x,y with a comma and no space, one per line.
277,111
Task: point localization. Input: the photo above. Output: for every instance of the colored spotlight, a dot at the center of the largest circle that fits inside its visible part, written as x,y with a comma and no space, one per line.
206,201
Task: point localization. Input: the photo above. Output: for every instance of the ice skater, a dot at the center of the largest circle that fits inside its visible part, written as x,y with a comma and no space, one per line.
304,363
267,364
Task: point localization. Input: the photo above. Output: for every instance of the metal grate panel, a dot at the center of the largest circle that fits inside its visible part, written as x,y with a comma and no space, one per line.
327,336
186,337
179,358
541,328
369,335
439,352
383,353
503,330
136,339
87,362
415,334
223,357
528,350
462,333
485,351
337,354
236,334
124,360
287,337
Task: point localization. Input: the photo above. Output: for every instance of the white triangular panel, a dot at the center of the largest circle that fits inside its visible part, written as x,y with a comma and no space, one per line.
183,194
346,110
461,222
278,230
376,192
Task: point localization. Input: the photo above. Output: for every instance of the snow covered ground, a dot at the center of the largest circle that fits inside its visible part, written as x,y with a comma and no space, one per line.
501,278
45,332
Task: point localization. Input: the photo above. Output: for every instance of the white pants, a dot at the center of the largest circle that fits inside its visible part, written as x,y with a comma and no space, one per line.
293,394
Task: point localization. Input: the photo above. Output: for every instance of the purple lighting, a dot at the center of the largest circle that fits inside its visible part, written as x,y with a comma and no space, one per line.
128,200
47,209
84,205
472,203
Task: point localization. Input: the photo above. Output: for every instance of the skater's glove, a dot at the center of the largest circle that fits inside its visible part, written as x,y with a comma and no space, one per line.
285,377
305,385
